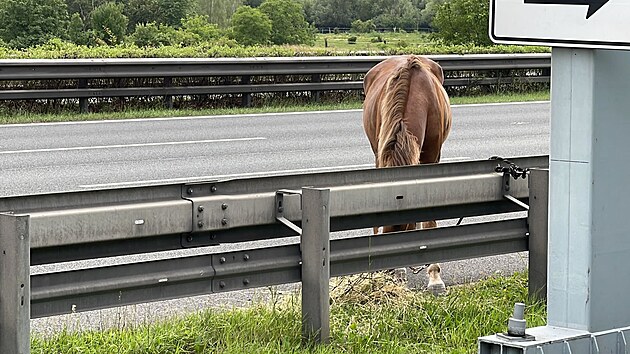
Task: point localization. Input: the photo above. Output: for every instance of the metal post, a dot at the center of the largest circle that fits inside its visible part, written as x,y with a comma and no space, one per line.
83,101
315,95
15,294
315,246
168,99
537,218
246,100
589,248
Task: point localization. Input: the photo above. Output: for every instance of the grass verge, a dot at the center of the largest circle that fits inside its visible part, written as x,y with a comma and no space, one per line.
21,117
400,321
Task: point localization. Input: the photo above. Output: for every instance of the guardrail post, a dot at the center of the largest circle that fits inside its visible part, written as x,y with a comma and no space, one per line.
15,285
83,101
246,100
315,78
538,218
168,99
315,245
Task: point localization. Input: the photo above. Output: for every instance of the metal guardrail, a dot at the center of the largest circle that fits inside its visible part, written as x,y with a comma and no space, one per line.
51,228
460,70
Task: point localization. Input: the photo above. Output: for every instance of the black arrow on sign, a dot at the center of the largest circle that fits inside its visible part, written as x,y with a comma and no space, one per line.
593,5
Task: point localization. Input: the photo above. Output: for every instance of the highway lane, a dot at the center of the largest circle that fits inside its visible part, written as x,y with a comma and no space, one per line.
43,158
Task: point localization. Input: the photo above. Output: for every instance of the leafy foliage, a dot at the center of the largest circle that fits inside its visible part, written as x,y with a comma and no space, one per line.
109,25
76,30
288,25
363,26
463,22
27,23
251,26
141,12
171,12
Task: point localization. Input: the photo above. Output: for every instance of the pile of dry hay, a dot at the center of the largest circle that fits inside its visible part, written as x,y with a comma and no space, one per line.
368,288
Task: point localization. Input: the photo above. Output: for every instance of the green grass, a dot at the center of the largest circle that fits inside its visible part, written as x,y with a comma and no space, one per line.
14,117
403,322
367,41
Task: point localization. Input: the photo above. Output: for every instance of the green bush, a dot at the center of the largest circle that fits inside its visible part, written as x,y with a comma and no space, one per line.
288,25
377,39
109,25
251,26
352,40
27,23
359,26
463,22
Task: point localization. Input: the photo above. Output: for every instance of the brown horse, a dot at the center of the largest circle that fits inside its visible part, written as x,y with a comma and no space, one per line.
407,118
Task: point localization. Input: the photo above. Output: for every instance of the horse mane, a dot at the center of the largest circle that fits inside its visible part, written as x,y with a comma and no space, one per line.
396,145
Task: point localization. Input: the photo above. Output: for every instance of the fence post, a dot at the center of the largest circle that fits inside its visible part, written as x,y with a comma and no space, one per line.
15,285
538,219
315,245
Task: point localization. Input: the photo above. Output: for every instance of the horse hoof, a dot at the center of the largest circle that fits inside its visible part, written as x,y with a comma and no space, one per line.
437,288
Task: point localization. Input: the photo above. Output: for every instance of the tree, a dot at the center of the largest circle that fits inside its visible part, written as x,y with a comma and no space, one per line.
397,14
76,30
288,25
218,11
337,13
428,12
173,11
463,22
251,26
108,23
253,3
363,26
84,7
26,23
199,26
141,12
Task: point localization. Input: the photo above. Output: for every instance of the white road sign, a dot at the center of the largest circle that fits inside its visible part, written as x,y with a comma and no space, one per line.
562,23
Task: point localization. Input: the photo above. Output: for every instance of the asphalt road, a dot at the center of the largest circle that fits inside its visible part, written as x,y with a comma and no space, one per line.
44,158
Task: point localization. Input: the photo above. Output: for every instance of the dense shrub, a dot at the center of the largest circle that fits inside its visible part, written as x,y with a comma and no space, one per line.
27,23
109,25
251,26
359,26
463,22
288,25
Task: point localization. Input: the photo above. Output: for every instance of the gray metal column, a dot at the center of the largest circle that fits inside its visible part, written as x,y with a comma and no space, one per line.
15,295
589,243
537,219
315,245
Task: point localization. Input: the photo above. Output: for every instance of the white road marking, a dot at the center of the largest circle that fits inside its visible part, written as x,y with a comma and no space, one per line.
241,175
102,147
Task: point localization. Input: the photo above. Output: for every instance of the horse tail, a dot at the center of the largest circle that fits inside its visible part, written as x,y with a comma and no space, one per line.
396,145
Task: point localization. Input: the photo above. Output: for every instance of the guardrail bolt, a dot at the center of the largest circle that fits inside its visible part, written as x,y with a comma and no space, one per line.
190,191
224,206
246,257
189,238
224,221
516,323
222,260
200,224
245,281
200,208
213,237
222,284
213,189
